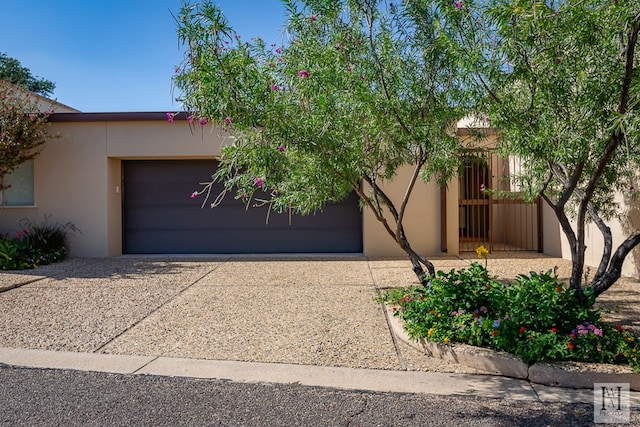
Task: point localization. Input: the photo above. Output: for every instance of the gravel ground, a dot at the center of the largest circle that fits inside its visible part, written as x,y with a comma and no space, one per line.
302,311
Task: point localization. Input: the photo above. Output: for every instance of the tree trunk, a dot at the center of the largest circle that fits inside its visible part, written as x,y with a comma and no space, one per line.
614,271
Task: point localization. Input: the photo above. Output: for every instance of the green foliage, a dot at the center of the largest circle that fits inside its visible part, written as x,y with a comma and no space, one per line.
535,317
34,245
12,71
354,92
559,100
561,83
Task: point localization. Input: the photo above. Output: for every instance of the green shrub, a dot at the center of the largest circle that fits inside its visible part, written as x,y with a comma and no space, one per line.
535,317
35,245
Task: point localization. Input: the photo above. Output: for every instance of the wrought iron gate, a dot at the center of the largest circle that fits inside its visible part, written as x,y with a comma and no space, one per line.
491,209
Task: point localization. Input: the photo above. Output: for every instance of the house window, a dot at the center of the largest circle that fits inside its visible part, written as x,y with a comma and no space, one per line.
17,187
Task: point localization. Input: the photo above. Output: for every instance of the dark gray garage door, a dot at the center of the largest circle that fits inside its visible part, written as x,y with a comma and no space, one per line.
159,216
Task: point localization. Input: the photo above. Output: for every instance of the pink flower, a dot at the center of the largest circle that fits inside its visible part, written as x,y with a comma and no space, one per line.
203,121
312,18
190,119
18,235
482,188
227,120
278,51
458,4
176,69
259,182
281,148
194,194
31,115
274,88
170,117
303,73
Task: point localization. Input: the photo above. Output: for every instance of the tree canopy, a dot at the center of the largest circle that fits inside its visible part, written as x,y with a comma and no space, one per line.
355,90
12,70
360,88
562,87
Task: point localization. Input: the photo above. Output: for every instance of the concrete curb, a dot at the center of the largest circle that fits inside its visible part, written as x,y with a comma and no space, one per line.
374,380
561,374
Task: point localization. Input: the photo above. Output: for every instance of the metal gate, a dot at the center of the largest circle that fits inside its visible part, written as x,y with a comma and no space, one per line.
491,209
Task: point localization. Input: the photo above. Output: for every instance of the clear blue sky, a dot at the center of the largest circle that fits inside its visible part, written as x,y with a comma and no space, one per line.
114,55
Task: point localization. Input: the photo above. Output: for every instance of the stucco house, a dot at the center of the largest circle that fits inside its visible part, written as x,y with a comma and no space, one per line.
125,180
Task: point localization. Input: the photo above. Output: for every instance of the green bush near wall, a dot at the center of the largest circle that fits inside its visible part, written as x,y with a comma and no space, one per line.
34,245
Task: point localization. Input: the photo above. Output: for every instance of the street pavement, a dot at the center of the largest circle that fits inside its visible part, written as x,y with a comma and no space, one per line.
45,397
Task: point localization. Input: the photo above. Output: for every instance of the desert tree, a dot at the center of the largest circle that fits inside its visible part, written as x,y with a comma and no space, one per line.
562,86
354,90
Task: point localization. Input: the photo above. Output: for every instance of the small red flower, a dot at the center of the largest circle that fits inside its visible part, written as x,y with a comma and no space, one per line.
559,288
619,327
572,335
554,330
522,329
570,345
494,333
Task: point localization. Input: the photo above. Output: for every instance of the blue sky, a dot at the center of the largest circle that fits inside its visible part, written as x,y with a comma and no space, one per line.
115,55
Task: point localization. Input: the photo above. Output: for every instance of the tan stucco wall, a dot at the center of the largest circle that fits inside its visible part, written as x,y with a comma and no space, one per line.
78,176
421,221
78,179
69,185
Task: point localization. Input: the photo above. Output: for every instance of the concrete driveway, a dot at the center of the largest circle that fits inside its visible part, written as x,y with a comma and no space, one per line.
313,311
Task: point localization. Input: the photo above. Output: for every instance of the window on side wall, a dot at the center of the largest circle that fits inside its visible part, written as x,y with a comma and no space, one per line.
18,186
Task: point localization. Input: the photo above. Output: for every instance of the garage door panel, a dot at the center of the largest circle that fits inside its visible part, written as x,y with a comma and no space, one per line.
160,217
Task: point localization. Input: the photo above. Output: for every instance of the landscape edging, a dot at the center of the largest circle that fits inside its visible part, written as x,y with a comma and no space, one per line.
559,374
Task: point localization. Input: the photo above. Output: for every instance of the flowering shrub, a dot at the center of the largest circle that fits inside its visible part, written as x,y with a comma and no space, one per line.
535,317
34,245
23,131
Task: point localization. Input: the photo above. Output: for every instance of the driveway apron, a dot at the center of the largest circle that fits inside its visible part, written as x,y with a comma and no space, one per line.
287,311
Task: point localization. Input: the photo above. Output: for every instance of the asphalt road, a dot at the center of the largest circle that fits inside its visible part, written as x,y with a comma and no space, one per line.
46,397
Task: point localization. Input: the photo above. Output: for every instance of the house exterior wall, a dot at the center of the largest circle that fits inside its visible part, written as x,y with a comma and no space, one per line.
78,178
421,221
